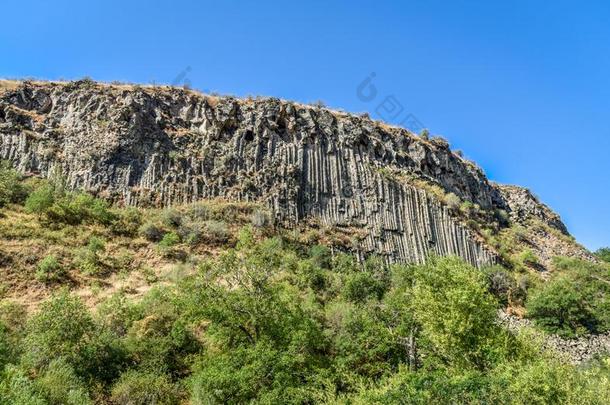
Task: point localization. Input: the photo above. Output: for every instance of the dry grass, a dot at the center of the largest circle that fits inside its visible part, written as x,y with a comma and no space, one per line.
8,85
129,264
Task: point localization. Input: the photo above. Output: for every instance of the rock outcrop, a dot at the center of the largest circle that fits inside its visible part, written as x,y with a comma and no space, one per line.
162,146
576,351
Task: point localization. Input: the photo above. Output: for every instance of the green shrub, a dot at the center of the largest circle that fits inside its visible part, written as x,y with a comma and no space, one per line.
468,208
501,283
190,231
360,286
92,209
13,319
127,222
61,386
528,258
40,200
59,206
6,349
60,329
49,270
321,256
88,259
76,208
11,188
169,240
16,388
143,388
151,232
167,246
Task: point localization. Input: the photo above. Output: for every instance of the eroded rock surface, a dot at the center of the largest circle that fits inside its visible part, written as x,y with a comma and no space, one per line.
164,146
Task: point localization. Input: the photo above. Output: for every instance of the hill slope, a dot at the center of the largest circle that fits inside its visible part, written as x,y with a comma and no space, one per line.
397,194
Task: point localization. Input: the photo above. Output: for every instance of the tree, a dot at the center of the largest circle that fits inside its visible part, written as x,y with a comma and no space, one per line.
456,314
561,307
576,300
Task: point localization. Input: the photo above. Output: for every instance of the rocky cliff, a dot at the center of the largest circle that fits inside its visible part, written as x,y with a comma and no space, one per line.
163,146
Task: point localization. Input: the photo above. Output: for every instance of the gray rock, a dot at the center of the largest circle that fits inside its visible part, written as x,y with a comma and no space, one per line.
163,146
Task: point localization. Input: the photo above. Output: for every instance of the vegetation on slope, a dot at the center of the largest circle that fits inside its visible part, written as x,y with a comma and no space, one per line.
247,314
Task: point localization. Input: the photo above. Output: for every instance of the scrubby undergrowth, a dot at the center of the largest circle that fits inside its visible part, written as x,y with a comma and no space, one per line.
208,303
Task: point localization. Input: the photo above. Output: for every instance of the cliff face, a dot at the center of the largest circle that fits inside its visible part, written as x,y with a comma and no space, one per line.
164,146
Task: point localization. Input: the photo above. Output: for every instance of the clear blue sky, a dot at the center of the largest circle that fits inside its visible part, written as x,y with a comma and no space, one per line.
522,87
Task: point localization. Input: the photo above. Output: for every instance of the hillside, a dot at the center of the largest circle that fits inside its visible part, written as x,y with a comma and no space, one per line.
408,196
159,245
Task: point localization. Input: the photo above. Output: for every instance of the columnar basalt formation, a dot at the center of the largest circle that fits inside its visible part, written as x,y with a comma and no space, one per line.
162,146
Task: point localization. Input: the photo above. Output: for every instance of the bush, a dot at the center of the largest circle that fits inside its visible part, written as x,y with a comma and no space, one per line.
88,259
92,209
151,232
360,286
171,218
453,202
501,284
457,315
60,385
216,231
12,328
190,231
76,208
167,246
60,329
68,208
528,258
49,270
40,200
127,222
143,388
169,240
17,388
11,189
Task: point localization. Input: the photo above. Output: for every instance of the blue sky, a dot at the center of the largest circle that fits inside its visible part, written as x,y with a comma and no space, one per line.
521,87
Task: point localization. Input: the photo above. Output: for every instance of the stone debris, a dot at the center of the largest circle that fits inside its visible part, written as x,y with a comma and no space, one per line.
575,351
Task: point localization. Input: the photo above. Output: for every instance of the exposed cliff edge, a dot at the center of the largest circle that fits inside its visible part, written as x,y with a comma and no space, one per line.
162,146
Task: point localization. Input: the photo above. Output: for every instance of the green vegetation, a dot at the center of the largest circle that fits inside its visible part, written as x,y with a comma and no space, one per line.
271,322
603,254
49,270
233,311
576,299
58,206
11,187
